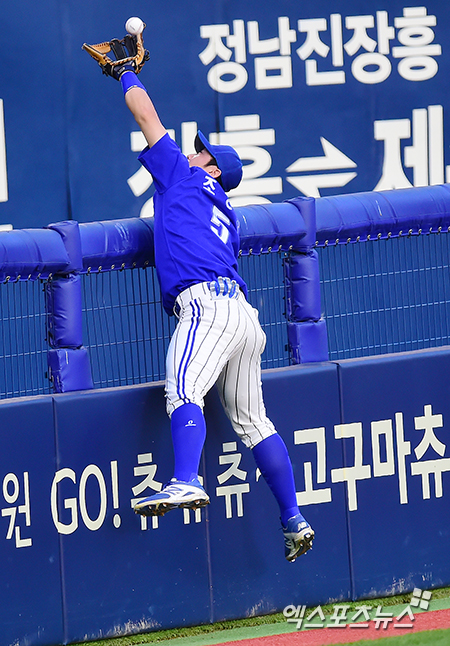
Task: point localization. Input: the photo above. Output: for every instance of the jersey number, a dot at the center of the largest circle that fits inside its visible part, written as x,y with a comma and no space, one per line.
220,224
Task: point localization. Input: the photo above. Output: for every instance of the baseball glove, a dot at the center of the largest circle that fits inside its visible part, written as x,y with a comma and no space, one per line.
129,53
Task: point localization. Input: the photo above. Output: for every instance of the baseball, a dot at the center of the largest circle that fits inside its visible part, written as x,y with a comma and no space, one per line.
134,26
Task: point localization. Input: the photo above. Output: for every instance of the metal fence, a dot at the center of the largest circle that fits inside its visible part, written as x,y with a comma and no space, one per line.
23,350
385,296
378,296
127,331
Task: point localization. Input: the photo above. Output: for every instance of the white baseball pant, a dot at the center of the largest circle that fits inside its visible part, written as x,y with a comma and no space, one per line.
219,339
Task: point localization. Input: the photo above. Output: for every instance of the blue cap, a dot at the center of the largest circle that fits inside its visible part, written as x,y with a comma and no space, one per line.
227,160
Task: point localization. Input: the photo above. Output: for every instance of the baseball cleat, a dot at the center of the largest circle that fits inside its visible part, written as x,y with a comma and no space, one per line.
298,537
186,495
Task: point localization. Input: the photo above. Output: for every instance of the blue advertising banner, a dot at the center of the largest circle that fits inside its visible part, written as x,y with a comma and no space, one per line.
140,566
396,468
321,98
31,611
33,122
369,445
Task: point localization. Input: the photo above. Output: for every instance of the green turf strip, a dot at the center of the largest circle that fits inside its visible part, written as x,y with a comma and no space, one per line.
211,634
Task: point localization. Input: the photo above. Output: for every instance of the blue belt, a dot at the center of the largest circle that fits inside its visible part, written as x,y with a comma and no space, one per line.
224,287
221,287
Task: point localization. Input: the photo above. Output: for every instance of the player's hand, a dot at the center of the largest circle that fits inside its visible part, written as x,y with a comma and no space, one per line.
128,53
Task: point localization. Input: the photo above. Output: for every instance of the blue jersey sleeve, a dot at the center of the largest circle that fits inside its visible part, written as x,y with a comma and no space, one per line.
165,162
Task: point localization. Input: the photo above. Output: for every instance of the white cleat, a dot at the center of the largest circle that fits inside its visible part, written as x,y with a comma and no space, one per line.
176,494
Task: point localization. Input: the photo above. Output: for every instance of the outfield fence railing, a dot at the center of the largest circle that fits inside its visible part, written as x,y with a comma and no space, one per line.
333,278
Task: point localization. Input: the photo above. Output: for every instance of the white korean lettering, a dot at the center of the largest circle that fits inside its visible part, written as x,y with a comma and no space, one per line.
382,618
147,470
428,423
361,611
363,75
416,51
425,155
359,471
379,429
231,490
313,496
369,46
385,32
216,48
225,85
233,460
392,132
295,615
317,612
210,185
11,492
337,50
265,80
406,611
339,617
360,38
403,450
282,43
313,43
215,35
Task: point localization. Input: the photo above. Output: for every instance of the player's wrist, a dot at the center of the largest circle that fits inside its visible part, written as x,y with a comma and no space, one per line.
129,79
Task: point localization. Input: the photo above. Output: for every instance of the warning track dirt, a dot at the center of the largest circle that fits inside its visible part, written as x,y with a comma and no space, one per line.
432,620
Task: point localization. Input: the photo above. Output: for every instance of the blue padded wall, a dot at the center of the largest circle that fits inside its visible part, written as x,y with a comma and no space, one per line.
145,578
251,546
402,394
368,441
31,611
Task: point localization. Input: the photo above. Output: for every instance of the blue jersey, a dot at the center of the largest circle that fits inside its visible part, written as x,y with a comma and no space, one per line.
195,228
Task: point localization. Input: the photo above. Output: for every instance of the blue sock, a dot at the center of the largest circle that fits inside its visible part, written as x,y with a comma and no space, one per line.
188,436
272,458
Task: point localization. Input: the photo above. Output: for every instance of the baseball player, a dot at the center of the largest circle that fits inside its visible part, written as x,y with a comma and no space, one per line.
218,339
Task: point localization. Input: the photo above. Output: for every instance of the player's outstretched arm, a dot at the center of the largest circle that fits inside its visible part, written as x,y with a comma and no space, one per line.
142,108
128,59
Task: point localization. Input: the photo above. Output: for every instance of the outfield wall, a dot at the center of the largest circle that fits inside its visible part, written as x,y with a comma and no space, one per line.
368,440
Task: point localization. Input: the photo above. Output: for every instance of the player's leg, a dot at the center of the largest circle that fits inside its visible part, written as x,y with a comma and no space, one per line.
240,382
272,458
197,352
188,437
241,393
187,423
185,488
207,334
